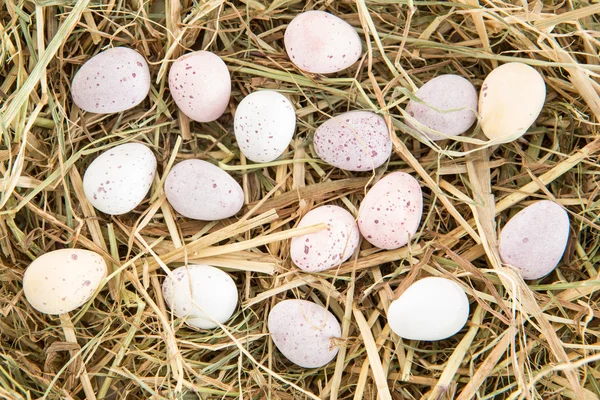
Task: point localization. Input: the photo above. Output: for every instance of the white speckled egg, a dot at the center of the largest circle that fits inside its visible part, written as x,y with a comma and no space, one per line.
325,249
321,43
354,141
201,294
117,181
63,280
264,125
304,332
535,239
199,190
112,81
443,93
511,99
391,211
200,85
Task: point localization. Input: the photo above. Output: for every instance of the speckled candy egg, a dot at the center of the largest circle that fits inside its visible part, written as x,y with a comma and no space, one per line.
114,80
443,93
304,332
201,294
321,43
200,85
264,125
391,211
199,190
117,181
430,309
325,249
535,239
63,280
354,141
511,99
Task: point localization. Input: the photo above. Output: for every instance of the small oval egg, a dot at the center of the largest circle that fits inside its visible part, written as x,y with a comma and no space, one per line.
430,309
201,294
264,124
200,85
511,99
62,280
117,181
112,81
304,332
391,211
535,239
199,190
321,43
328,248
443,93
354,141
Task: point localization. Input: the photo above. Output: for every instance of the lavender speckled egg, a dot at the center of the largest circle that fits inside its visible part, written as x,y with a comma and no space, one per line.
200,85
63,280
112,81
443,93
321,43
199,190
265,122
117,181
329,248
304,332
354,141
391,211
535,239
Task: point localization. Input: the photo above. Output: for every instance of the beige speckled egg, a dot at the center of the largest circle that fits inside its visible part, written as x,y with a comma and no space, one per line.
391,211
63,280
200,85
535,239
114,80
304,332
511,99
321,43
199,190
354,141
328,248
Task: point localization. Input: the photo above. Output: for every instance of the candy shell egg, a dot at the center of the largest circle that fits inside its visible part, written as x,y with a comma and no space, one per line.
534,240
304,332
63,280
112,81
430,309
264,125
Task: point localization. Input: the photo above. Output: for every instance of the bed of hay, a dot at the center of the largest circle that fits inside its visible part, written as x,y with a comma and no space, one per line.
533,340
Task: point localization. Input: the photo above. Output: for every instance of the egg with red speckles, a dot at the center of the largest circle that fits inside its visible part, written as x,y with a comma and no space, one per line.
354,141
264,124
62,280
199,190
201,294
304,332
390,213
200,85
117,181
321,43
112,81
328,248
535,239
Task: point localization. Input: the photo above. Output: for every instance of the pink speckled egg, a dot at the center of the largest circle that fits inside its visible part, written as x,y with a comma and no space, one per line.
199,190
325,249
112,81
354,141
321,43
200,85
390,213
304,332
535,239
